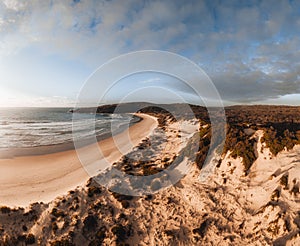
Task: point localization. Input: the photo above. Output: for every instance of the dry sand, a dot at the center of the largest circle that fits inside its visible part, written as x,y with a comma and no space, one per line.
41,178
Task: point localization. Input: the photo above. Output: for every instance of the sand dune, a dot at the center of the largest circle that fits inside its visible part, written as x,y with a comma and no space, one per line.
30,179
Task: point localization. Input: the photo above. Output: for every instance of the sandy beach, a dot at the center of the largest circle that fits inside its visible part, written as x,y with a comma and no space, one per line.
41,178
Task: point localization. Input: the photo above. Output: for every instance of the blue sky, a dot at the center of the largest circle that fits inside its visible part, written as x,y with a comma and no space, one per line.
250,49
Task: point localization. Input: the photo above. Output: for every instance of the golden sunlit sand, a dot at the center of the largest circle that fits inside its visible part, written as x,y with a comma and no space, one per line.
41,178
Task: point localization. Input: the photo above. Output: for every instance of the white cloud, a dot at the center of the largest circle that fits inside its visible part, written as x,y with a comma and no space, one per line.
258,40
14,98
13,4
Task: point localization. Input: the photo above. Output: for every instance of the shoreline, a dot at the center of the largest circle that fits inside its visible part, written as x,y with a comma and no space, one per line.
55,148
41,178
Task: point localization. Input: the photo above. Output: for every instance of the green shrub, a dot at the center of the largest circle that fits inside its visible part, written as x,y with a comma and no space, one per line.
279,137
240,145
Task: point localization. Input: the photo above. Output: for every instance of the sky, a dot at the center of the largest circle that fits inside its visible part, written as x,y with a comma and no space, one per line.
249,49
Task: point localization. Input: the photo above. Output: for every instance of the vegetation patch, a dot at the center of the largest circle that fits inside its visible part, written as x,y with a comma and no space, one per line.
280,136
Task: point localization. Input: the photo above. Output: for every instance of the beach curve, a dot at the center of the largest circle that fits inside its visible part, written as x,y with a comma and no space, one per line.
41,178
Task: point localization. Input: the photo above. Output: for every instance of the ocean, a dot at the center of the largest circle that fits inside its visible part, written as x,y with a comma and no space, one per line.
33,127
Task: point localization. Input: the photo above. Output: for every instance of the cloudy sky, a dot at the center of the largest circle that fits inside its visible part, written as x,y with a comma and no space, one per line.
249,49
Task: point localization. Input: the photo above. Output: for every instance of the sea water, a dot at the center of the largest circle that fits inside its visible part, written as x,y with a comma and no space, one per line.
33,127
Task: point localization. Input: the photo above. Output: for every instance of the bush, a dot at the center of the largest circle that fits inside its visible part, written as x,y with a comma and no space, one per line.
54,227
93,190
57,213
125,204
30,239
278,136
121,232
284,181
5,210
275,195
295,190
62,242
90,223
240,145
202,229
